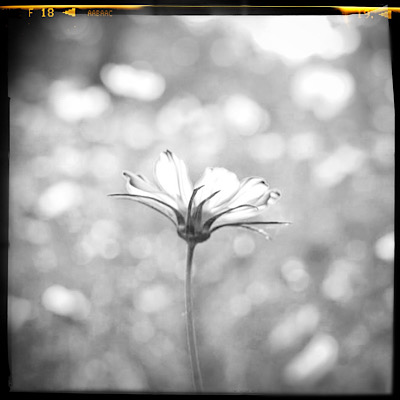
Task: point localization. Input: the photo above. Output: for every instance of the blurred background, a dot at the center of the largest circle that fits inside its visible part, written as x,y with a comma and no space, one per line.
96,298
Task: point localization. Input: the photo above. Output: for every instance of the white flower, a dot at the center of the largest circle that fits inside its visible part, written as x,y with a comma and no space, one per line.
218,199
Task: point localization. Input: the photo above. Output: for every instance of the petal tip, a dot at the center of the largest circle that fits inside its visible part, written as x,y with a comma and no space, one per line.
273,196
169,153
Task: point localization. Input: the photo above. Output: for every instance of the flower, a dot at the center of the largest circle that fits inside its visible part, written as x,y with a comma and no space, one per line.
218,199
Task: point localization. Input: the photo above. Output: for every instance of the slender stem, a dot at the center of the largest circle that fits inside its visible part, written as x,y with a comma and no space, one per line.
191,332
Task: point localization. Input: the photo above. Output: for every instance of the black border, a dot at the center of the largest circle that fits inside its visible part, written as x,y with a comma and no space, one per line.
165,8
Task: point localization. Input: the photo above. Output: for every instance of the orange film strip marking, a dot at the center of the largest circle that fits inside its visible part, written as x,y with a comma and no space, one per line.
83,7
346,10
354,10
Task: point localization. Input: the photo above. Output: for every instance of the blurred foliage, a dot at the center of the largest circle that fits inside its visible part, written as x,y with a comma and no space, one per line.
96,284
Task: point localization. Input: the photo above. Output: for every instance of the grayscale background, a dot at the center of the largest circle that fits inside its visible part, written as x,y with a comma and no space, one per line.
96,298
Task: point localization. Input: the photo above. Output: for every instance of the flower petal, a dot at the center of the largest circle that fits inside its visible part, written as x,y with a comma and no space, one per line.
172,176
274,196
261,232
218,180
251,224
240,214
252,191
208,222
140,182
140,186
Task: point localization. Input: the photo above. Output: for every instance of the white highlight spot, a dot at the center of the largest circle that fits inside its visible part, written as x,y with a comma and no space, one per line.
124,80
384,247
315,361
74,104
324,90
296,38
154,299
244,115
59,198
294,327
295,275
65,302
342,162
340,281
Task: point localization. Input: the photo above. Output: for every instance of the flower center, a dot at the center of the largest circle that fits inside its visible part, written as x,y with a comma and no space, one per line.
193,230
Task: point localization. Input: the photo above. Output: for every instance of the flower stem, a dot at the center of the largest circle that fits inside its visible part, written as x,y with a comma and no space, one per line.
191,332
